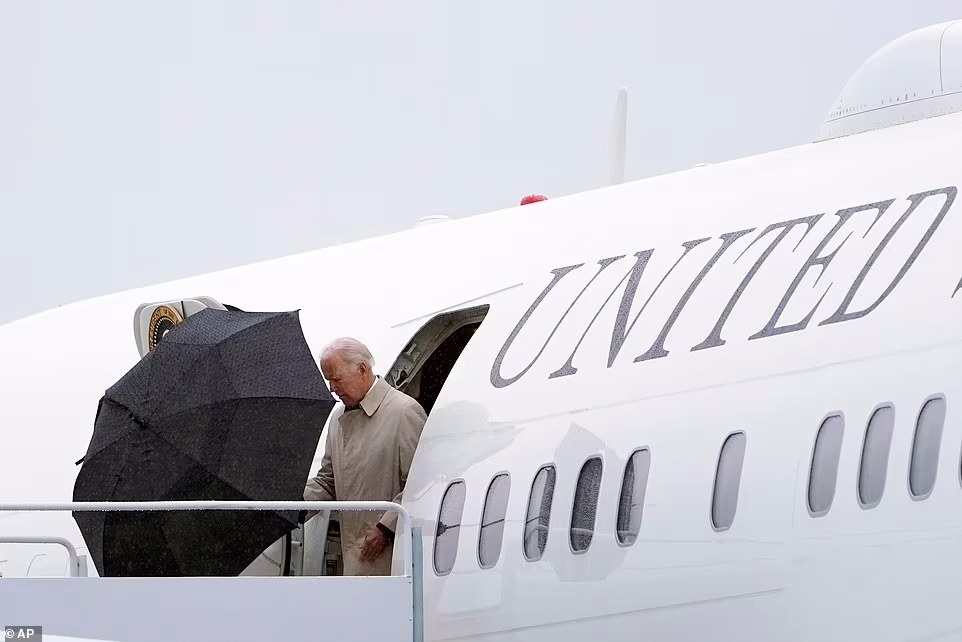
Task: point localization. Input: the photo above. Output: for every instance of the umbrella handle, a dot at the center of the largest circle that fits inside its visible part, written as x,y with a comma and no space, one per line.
286,564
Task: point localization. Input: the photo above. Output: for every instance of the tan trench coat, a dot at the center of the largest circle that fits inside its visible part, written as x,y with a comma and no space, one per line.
367,456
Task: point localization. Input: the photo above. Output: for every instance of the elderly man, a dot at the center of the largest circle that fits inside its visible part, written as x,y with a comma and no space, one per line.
371,438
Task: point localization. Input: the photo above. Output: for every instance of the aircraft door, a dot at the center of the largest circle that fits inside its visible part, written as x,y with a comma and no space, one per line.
422,368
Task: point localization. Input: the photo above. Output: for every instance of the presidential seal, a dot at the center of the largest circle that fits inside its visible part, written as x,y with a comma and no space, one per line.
162,321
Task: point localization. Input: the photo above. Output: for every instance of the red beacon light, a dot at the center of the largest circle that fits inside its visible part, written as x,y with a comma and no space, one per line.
533,198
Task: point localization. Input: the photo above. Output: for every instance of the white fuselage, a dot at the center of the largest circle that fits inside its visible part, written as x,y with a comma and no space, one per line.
750,308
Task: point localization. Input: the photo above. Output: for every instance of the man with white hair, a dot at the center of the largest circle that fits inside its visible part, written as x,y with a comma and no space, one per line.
371,438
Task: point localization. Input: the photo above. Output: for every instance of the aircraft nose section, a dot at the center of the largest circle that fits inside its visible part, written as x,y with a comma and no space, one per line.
54,367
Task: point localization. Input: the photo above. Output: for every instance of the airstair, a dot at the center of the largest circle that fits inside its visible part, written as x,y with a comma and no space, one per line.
269,609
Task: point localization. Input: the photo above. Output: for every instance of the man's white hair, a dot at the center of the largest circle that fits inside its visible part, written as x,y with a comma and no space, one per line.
352,351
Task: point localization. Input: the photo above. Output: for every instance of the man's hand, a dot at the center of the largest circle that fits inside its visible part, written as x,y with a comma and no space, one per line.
374,544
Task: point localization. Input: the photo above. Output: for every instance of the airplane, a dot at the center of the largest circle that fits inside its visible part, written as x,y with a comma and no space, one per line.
721,403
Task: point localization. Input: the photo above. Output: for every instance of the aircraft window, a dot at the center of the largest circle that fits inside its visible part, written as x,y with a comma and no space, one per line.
925,448
492,520
873,468
539,514
823,474
633,486
449,528
585,505
728,476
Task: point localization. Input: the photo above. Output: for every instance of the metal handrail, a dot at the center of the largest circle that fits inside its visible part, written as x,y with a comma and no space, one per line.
404,518
412,551
60,541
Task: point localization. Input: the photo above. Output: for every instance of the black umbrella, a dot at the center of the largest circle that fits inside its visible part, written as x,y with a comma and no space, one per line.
228,406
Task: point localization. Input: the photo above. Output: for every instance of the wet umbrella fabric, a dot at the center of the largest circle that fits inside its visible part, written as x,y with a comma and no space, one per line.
228,406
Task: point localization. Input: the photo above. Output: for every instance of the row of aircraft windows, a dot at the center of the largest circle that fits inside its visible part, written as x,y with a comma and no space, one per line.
873,465
823,476
538,515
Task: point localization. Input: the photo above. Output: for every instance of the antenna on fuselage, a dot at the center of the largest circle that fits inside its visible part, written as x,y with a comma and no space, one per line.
619,138
619,142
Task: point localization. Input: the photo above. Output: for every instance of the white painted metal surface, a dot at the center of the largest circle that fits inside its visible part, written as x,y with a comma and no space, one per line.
916,76
213,608
61,638
74,568
619,139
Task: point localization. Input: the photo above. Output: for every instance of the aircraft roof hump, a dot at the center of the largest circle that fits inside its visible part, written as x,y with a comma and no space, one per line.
432,219
916,76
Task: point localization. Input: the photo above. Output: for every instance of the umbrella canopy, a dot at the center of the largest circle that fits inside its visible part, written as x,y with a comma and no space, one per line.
229,405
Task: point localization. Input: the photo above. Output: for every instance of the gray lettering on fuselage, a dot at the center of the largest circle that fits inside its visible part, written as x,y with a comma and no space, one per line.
632,278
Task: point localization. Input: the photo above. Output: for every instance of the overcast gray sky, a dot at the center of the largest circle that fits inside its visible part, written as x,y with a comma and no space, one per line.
141,142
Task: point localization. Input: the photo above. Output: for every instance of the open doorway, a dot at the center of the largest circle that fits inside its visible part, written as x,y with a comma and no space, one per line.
426,361
420,371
